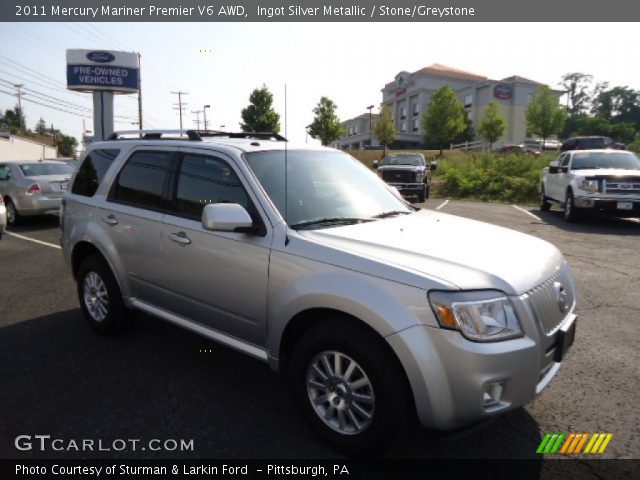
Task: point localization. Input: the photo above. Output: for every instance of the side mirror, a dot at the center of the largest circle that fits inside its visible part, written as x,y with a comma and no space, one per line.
226,217
375,164
433,166
554,169
564,169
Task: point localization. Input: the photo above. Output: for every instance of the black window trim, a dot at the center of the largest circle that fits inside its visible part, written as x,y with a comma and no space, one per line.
78,167
164,196
172,190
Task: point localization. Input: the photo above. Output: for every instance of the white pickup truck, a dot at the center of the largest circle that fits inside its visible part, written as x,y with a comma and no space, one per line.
599,181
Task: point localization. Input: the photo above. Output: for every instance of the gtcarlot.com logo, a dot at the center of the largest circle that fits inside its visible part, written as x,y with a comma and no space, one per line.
45,443
574,443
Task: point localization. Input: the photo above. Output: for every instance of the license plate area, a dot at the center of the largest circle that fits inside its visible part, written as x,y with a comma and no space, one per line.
625,205
564,339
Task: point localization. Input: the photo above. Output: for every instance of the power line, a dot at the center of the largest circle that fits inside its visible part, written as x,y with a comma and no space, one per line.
180,104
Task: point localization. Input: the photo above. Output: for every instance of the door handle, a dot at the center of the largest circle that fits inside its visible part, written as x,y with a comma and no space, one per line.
110,220
180,238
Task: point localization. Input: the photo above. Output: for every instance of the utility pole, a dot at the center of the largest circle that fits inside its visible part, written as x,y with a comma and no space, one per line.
204,110
19,95
197,112
180,104
370,125
140,91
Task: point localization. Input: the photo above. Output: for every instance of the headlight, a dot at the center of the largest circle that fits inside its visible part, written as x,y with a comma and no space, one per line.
481,316
589,186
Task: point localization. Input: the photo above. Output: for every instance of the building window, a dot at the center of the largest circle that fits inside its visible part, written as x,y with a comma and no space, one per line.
414,127
469,115
355,129
468,100
415,109
403,113
529,97
403,126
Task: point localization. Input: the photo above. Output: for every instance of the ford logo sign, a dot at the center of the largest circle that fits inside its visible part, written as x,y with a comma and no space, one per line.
100,57
503,91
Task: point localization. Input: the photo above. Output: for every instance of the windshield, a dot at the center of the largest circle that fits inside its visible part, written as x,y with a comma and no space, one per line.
37,169
415,160
323,187
625,160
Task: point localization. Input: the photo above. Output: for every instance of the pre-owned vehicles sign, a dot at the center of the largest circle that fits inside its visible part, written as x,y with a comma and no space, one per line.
90,70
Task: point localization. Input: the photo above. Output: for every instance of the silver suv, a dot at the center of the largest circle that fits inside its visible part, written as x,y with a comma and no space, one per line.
377,311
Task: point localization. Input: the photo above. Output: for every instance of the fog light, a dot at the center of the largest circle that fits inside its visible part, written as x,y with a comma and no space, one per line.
492,394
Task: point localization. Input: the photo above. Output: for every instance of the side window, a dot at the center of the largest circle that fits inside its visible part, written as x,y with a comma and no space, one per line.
90,173
5,172
565,160
202,180
142,180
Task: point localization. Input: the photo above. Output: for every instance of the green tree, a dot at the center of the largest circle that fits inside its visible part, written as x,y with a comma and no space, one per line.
444,119
544,116
492,125
384,129
14,121
620,104
66,145
576,86
41,127
326,125
259,115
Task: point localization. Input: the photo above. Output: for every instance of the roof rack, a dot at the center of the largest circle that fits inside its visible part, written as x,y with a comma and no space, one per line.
193,135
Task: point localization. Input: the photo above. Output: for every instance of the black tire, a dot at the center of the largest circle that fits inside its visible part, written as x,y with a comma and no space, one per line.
570,212
13,217
545,205
117,317
422,196
392,405
427,191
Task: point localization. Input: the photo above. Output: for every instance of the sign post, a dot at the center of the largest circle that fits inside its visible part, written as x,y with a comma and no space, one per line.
104,73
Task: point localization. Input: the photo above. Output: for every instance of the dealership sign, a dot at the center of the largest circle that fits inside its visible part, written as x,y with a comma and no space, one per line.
503,91
91,70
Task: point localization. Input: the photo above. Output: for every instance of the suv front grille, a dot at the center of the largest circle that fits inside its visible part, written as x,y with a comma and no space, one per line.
544,300
622,186
399,176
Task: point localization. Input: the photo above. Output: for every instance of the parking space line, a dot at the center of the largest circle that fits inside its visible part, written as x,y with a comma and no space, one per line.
527,212
442,204
29,239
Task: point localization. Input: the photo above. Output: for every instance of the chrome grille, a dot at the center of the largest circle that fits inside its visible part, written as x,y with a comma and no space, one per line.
543,301
622,186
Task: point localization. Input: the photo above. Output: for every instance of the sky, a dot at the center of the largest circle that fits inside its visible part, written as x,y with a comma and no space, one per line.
219,64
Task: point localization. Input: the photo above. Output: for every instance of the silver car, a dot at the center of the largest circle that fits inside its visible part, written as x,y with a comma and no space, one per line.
3,217
378,312
33,187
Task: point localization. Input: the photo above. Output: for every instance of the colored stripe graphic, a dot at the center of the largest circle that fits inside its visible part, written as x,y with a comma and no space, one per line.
574,442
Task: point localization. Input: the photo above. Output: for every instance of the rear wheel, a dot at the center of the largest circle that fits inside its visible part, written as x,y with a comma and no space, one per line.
545,205
349,387
100,297
13,216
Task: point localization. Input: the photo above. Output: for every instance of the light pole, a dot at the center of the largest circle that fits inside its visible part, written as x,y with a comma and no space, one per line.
370,125
204,111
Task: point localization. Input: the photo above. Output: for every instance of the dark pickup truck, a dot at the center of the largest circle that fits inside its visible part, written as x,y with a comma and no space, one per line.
408,172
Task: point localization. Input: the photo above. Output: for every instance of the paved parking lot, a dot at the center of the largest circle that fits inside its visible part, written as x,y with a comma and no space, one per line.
59,378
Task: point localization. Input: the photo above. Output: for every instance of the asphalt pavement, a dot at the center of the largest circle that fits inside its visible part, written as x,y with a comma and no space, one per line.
58,377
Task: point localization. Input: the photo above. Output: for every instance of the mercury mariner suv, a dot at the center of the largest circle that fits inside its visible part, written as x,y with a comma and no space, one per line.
378,312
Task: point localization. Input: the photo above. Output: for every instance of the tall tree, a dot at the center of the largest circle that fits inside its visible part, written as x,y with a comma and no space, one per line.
384,129
14,121
492,125
326,125
544,116
66,145
259,115
577,85
620,104
444,119
41,127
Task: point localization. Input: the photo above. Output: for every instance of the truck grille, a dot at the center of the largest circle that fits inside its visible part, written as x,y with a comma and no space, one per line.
622,186
399,176
545,304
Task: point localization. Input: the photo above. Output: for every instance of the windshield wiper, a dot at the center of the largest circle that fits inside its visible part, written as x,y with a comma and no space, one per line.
329,221
391,213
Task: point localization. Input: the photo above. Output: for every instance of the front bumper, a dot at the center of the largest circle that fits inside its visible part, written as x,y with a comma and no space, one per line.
609,205
409,188
37,204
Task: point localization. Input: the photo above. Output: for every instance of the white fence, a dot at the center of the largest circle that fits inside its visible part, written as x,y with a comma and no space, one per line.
466,146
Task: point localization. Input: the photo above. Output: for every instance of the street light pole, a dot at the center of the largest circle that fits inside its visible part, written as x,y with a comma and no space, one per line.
204,111
370,125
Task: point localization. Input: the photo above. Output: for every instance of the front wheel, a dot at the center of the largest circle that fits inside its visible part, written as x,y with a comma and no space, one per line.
349,387
545,205
570,212
424,194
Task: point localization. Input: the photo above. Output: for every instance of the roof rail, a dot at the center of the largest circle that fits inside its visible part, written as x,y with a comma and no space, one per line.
155,134
254,135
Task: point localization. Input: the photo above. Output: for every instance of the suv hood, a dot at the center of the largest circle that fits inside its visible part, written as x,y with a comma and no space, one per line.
612,172
466,253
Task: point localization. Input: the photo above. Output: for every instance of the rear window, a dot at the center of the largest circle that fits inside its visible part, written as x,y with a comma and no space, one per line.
90,173
37,169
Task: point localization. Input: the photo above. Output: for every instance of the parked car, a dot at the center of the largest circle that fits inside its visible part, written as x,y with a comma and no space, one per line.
408,172
593,142
377,311
511,148
33,187
539,144
600,181
3,217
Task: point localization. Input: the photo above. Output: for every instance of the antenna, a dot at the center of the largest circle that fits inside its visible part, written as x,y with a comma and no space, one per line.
286,174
